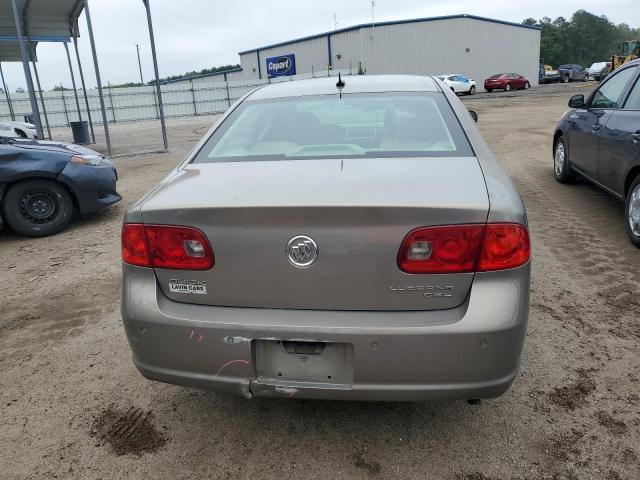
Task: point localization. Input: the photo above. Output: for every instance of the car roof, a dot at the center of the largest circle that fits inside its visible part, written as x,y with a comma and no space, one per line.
353,84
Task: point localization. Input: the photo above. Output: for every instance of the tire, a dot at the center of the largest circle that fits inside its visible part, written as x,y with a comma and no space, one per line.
472,90
561,168
565,79
20,133
37,208
489,90
507,88
632,212
527,86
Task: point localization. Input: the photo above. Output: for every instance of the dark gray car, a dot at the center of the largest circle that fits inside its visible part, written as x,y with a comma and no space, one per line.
572,73
599,138
352,240
42,183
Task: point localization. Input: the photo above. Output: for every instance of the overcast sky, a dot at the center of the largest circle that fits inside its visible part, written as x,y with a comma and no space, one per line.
196,34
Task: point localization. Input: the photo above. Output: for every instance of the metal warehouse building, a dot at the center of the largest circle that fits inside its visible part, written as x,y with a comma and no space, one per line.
475,46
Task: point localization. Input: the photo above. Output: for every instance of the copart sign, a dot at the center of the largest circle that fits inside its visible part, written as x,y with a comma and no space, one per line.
284,65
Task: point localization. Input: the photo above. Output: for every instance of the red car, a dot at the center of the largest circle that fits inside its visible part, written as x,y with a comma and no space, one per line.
506,82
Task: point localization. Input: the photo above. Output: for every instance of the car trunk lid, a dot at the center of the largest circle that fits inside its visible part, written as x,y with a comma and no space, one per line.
357,211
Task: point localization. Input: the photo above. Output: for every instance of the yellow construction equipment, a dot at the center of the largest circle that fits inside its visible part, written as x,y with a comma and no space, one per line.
627,51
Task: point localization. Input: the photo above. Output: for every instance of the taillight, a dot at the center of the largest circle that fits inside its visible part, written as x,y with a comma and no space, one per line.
166,246
464,248
452,249
134,245
506,245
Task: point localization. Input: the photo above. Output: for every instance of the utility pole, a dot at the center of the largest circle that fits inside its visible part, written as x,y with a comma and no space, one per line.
373,19
335,22
139,64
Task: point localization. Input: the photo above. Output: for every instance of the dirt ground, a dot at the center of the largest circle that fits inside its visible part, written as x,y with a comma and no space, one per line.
73,405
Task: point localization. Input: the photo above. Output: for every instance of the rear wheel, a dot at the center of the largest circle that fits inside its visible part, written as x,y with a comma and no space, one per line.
489,90
527,85
561,168
565,79
632,211
20,133
507,88
37,208
472,90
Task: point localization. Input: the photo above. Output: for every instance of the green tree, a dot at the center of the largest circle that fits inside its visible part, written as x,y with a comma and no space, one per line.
584,39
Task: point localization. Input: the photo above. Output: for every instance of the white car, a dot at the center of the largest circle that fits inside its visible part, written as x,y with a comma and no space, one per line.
459,83
18,130
598,70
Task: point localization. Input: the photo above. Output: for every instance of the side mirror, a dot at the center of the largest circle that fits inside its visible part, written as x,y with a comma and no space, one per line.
474,115
577,101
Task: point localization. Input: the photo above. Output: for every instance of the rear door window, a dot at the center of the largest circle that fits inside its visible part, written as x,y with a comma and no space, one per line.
610,93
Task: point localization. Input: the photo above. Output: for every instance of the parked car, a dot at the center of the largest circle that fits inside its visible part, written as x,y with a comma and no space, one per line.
18,130
459,83
598,71
41,183
506,82
572,73
350,240
551,76
599,139
546,74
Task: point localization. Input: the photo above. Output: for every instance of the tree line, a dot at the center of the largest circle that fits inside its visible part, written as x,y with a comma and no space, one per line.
584,39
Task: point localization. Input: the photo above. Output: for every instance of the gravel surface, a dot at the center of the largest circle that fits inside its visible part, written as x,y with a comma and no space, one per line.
73,406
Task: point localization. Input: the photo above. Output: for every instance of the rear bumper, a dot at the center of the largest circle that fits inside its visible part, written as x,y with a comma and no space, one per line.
472,351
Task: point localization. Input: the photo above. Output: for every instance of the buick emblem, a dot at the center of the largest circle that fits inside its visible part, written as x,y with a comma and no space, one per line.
302,251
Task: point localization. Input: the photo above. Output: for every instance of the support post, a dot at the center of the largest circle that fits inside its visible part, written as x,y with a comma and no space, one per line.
105,124
155,71
139,64
32,49
64,105
27,70
7,96
226,82
44,107
193,99
84,88
155,102
73,81
113,110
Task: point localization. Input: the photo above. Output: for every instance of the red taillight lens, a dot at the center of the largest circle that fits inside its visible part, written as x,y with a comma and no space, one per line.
464,248
134,245
506,245
166,246
452,249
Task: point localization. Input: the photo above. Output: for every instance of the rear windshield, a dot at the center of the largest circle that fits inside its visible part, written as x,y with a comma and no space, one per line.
496,76
327,126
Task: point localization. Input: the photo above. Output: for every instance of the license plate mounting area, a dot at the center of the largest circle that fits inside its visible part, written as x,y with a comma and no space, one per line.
304,362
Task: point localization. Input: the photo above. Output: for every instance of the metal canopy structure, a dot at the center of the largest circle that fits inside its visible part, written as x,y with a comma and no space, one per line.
25,23
10,51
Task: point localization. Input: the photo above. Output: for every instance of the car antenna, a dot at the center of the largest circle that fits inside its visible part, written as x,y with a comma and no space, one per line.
340,85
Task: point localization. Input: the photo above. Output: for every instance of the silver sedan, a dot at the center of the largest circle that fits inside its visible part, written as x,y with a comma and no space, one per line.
350,240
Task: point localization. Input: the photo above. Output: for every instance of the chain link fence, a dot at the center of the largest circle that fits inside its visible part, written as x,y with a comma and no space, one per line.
133,104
